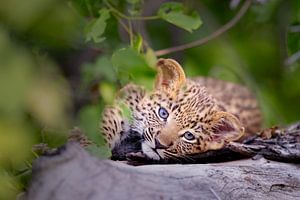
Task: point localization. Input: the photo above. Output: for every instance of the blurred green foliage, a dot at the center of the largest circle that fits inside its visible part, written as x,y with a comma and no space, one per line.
35,98
173,12
62,61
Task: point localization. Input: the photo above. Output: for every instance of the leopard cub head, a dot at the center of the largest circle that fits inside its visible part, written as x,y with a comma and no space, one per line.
180,118
177,119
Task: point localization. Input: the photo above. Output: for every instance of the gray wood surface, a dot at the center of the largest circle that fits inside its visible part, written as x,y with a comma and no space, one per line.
73,174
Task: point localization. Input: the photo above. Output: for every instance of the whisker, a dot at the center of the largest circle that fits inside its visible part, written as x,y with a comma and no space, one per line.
187,158
170,155
179,157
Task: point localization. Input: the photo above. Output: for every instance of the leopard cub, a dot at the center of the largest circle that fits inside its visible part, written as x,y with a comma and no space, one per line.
180,117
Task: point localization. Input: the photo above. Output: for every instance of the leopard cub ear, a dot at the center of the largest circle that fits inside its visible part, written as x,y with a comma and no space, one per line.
170,76
226,128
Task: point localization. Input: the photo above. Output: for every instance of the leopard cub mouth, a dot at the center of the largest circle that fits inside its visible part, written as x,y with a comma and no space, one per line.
150,152
134,142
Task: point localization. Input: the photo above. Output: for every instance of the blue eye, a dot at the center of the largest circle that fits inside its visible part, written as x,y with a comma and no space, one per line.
163,113
188,135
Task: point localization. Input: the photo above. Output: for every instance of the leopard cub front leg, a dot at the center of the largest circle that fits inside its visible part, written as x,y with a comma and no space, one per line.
116,123
113,125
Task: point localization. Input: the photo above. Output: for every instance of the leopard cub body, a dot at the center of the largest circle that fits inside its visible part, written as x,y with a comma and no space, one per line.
181,117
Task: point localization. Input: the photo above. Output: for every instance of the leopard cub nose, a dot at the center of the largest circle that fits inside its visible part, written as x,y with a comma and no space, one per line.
158,145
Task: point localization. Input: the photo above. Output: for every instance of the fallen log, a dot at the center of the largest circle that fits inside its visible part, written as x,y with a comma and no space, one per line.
72,173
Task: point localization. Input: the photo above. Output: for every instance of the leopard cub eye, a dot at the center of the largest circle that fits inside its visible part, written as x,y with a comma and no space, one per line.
188,135
163,113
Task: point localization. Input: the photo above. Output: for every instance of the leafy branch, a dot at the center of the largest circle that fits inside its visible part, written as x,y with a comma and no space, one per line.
120,14
214,35
172,12
134,57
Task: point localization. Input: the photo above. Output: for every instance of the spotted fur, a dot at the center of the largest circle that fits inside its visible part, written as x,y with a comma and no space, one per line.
210,111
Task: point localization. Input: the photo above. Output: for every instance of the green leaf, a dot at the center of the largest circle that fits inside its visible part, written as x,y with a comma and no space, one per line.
135,7
126,112
89,117
96,27
129,60
107,91
173,13
131,66
151,58
293,43
100,69
138,42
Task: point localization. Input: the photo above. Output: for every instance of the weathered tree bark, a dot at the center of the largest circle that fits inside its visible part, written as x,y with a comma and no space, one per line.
74,174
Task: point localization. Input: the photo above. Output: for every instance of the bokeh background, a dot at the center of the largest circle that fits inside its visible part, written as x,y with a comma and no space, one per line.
52,79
